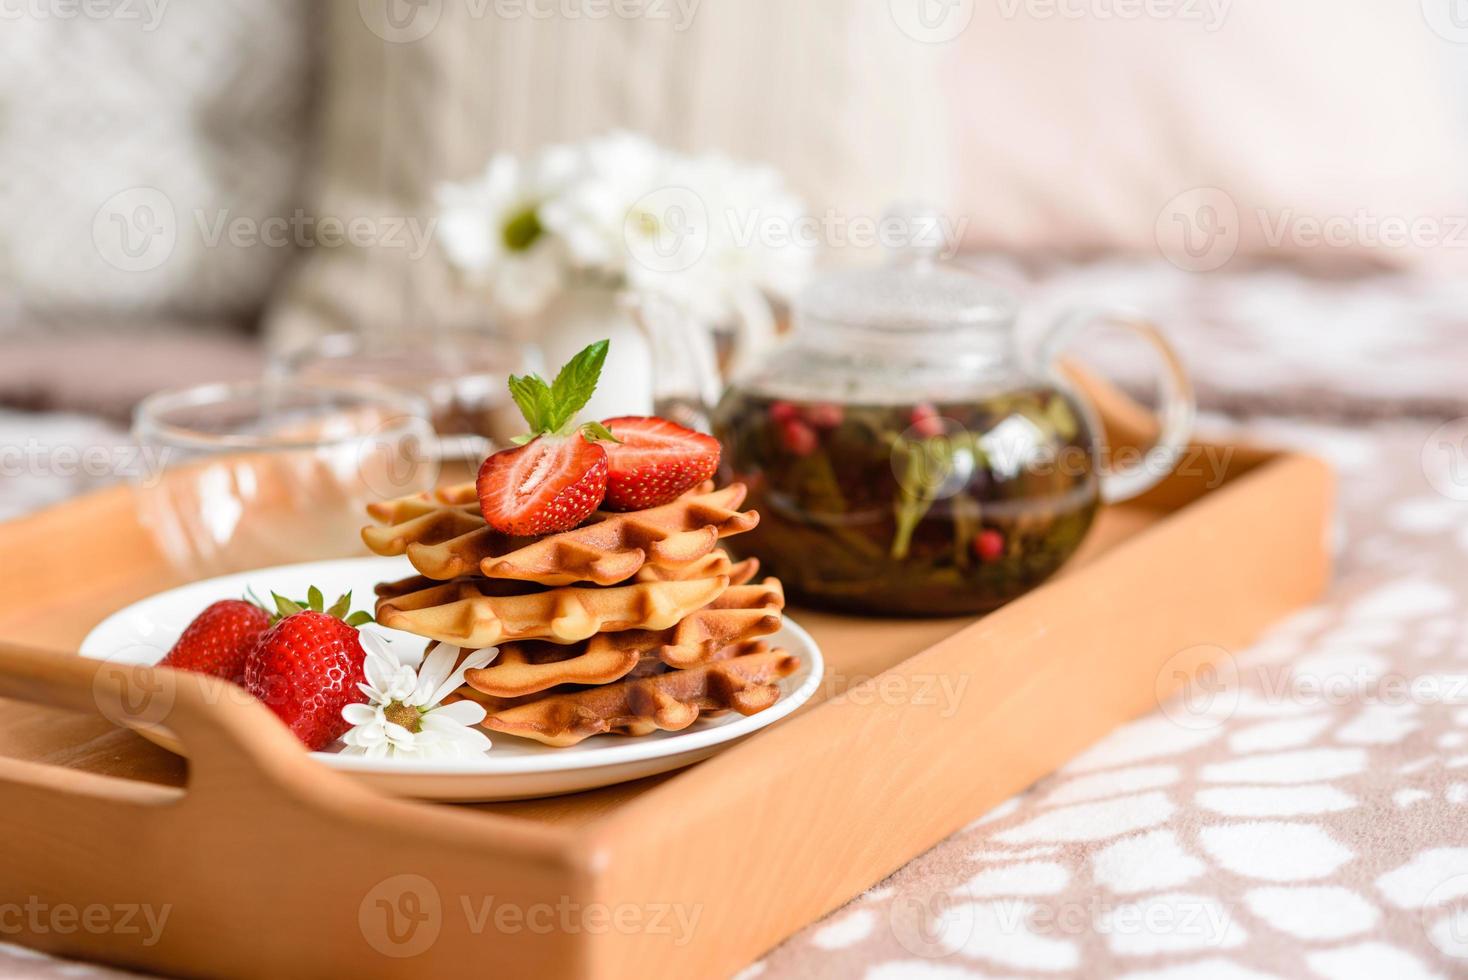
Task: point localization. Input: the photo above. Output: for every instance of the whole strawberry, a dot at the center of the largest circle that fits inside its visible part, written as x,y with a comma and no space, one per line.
308,666
655,462
220,639
557,476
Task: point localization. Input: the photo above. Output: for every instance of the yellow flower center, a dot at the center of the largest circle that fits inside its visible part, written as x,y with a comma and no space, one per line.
405,715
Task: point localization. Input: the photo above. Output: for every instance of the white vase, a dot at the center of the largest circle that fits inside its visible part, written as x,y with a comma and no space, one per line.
584,314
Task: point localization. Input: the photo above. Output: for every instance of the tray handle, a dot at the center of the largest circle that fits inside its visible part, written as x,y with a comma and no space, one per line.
234,742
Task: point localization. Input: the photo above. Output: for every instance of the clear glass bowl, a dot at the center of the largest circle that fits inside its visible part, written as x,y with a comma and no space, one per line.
461,375
240,476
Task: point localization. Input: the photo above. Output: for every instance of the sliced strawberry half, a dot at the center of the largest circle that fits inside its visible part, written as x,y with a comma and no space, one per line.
550,484
655,461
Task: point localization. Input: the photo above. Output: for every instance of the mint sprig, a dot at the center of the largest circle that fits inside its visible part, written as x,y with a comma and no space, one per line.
550,409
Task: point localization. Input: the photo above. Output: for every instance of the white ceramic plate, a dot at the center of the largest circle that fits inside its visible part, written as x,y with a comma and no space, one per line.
514,768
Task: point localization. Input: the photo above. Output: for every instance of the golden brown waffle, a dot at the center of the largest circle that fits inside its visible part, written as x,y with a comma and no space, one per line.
476,612
740,613
671,701
714,563
445,537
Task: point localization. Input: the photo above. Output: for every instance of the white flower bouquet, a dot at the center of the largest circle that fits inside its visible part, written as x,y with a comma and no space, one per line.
699,231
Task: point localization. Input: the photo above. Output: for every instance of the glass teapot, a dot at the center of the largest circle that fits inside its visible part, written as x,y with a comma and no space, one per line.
908,455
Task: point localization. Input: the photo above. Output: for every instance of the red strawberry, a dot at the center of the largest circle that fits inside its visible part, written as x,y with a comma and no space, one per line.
306,668
655,461
219,639
558,475
549,484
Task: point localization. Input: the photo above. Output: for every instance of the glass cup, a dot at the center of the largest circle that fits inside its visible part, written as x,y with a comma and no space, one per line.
266,473
461,376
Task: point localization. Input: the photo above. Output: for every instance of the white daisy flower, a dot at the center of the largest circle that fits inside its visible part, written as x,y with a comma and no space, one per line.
403,714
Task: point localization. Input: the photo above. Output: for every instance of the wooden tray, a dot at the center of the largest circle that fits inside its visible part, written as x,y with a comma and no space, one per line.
268,864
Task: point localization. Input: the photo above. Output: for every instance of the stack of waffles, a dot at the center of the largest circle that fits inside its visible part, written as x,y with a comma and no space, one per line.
631,623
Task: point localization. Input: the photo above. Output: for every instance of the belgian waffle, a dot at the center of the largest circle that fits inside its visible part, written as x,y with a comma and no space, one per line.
741,613
445,537
477,612
670,701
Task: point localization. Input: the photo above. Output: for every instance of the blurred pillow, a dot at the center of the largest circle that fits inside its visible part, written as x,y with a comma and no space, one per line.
830,92
138,139
1314,130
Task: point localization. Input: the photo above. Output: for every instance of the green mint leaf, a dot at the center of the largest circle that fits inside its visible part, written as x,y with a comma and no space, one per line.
575,384
533,396
596,432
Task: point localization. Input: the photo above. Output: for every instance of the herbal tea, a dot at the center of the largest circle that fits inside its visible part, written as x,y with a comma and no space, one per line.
919,508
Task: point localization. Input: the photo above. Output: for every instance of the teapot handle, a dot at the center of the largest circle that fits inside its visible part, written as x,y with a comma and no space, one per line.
1177,407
